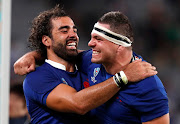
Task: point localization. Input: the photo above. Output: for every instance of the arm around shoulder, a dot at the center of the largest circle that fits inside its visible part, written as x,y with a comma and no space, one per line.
64,98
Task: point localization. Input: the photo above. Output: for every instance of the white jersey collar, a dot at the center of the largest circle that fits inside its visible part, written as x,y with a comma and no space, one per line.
57,65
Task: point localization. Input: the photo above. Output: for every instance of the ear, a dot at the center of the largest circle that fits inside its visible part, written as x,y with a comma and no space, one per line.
123,50
120,48
46,40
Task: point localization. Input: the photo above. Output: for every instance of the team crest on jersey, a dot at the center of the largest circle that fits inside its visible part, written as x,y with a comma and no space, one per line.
64,81
134,58
96,71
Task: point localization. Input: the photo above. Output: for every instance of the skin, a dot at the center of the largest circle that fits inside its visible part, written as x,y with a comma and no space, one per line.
114,58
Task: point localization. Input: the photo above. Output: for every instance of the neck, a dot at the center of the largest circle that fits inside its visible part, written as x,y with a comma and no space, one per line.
120,63
70,67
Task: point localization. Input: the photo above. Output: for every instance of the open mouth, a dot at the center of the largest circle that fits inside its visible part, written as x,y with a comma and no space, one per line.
71,45
95,52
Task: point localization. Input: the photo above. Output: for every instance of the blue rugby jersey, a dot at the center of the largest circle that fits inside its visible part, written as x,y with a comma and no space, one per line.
136,103
38,84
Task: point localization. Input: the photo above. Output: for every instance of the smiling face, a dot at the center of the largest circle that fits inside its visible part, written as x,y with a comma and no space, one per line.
104,51
64,38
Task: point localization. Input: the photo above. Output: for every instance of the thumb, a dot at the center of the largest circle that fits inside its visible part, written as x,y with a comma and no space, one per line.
31,68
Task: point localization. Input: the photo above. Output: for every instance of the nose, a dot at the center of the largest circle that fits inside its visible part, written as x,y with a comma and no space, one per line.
73,34
91,43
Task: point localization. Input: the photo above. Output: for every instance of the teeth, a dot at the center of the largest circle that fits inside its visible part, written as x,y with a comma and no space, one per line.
95,52
71,44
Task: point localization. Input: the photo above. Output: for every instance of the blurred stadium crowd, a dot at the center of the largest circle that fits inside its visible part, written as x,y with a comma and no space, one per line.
156,25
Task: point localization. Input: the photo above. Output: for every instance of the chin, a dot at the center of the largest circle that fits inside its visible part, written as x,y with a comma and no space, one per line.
73,52
95,61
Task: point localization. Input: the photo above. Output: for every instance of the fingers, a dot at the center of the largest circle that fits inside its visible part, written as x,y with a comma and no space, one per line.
17,67
139,70
153,68
149,70
22,68
31,68
146,63
24,65
150,73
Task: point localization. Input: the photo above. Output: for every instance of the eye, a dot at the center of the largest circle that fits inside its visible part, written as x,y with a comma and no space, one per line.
98,38
75,30
64,30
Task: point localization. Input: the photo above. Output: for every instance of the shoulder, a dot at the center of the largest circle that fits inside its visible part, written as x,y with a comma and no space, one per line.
150,98
41,73
84,60
85,55
148,91
150,84
42,79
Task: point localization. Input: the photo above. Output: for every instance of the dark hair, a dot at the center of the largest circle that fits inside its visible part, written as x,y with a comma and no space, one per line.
118,22
41,25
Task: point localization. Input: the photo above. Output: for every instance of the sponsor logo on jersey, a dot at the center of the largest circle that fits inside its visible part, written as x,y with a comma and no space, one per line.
96,71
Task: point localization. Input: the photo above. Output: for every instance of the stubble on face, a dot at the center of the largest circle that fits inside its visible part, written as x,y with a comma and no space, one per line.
65,39
60,50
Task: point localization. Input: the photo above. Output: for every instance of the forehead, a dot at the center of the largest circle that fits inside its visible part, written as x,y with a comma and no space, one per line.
103,25
62,21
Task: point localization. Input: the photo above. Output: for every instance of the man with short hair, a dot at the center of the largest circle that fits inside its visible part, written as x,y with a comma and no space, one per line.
145,101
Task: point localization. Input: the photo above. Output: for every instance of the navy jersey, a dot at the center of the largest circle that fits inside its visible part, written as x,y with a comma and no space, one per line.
37,86
136,103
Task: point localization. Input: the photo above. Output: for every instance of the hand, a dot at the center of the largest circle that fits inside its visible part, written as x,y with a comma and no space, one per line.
139,70
25,64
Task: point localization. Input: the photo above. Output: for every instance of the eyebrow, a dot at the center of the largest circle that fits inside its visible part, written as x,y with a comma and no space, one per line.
67,27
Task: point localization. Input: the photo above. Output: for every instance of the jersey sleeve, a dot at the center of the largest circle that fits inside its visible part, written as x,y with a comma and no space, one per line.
37,85
84,61
152,101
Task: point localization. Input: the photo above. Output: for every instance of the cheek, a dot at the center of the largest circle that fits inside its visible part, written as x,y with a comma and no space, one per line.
60,38
109,53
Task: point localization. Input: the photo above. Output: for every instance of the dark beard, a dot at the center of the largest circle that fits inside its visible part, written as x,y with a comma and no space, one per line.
68,55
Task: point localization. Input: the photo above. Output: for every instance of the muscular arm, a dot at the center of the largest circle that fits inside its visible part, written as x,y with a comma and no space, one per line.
66,99
135,71
161,120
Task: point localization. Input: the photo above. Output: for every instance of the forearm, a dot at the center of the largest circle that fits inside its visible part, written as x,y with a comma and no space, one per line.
96,95
39,58
66,99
